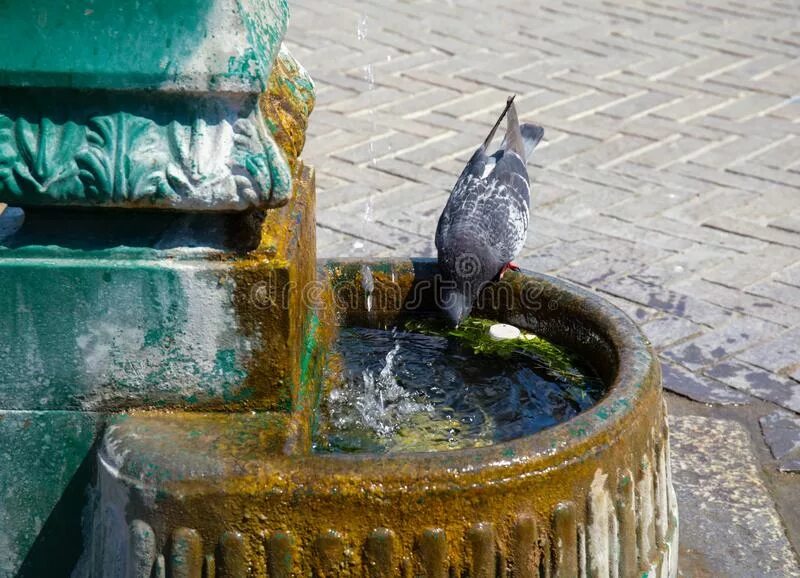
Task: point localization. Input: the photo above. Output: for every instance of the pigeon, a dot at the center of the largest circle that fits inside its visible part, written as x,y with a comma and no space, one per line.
485,221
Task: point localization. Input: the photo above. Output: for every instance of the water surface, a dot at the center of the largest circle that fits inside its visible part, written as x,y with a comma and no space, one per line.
396,391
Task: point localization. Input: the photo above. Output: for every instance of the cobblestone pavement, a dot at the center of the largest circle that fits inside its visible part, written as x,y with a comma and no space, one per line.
671,182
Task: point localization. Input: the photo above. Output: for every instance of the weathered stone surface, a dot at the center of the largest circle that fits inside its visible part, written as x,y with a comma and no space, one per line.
128,312
777,354
332,505
667,329
782,434
729,525
593,74
138,151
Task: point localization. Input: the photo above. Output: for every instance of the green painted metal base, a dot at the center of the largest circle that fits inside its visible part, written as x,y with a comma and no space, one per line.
48,464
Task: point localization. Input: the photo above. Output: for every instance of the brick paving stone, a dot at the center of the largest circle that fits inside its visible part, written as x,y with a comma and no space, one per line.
666,300
699,388
700,209
787,223
762,384
376,148
668,329
722,342
556,256
615,260
684,265
620,229
739,301
748,269
778,237
640,207
782,434
776,355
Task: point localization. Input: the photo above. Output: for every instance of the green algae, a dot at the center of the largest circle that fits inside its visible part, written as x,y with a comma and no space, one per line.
474,333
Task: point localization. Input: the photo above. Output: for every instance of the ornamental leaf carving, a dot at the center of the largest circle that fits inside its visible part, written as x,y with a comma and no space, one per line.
8,154
260,169
199,166
124,160
38,160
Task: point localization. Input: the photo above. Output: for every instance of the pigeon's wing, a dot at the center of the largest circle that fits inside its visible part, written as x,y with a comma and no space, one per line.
505,205
465,189
492,209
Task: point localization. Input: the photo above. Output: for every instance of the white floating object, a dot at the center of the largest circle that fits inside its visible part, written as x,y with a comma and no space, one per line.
503,331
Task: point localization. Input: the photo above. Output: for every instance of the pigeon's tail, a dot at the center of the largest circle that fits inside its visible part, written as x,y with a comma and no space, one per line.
509,104
531,135
513,140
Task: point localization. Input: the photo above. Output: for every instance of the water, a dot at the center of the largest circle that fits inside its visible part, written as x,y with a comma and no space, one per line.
395,391
362,29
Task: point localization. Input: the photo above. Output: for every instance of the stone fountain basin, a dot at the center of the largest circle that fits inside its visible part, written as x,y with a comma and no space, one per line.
233,493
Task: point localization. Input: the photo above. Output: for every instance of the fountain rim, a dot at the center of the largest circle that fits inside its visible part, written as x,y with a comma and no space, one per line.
638,373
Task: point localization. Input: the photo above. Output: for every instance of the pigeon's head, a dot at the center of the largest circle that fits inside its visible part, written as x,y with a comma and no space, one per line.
456,305
465,267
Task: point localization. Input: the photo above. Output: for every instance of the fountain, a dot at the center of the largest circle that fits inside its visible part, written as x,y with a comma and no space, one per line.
168,339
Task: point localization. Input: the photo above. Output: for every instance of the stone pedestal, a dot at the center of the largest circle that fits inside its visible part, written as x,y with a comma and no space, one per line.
157,231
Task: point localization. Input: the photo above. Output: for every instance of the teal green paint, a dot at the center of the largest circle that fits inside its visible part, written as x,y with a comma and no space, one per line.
107,333
264,34
244,66
152,337
118,44
47,463
309,382
226,361
310,343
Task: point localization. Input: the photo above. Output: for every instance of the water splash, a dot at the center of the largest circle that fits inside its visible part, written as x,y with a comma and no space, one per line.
381,406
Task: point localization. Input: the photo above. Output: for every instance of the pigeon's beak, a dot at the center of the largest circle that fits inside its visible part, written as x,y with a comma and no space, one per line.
456,307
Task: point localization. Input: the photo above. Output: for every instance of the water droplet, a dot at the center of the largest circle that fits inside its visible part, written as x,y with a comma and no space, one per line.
368,210
361,31
369,76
